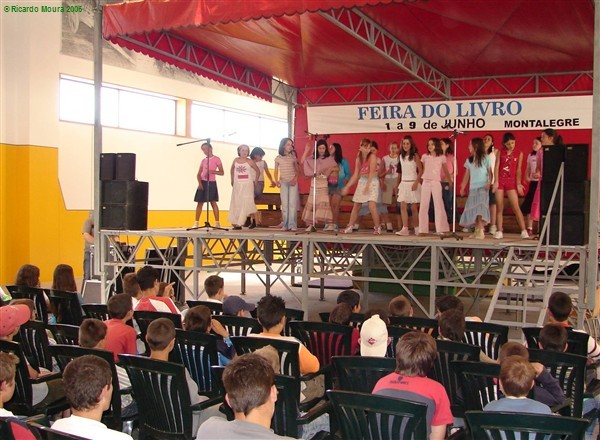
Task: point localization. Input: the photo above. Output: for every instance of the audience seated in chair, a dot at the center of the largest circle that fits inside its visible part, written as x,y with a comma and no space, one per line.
415,355
383,314
374,337
147,278
517,378
350,297
452,328
161,340
132,288
88,386
444,303
214,286
8,362
341,314
120,337
249,382
235,306
400,306
546,388
63,279
199,319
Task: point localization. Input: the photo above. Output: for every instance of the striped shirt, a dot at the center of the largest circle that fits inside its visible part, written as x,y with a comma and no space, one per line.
287,167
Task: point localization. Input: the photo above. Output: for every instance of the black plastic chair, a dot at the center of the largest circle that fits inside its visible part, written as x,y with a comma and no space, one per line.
569,370
215,308
489,337
198,352
395,333
238,325
447,352
97,311
34,341
368,416
22,400
13,428
162,396
144,319
577,341
52,434
360,374
64,334
66,307
484,425
478,383
287,350
356,319
66,353
36,294
424,325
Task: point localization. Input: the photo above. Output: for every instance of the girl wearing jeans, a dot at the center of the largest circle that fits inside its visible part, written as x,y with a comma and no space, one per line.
286,178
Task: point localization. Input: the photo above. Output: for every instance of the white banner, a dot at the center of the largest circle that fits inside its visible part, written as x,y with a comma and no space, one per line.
573,112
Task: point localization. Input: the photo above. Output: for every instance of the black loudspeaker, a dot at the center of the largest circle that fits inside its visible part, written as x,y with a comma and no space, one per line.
125,166
107,166
125,216
554,156
575,229
576,162
576,197
125,191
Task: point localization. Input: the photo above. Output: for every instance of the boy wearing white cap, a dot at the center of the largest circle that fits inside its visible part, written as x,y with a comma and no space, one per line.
373,337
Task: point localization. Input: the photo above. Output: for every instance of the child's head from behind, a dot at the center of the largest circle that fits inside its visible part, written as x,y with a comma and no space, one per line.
28,275
271,355
448,302
350,297
400,306
341,314
92,333
560,306
415,354
120,306
197,319
130,285
270,310
452,325
213,286
517,376
160,335
8,368
512,348
64,278
148,277
553,337
88,383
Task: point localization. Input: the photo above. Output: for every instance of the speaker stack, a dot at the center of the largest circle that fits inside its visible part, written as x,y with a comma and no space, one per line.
124,199
576,193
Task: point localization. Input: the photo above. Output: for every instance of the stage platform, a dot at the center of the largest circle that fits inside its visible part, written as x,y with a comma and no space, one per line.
405,264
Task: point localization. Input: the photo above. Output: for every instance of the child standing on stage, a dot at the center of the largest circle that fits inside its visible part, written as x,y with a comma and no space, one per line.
318,171
244,174
390,181
508,170
367,191
336,181
286,178
433,164
479,172
257,155
207,191
448,187
488,142
410,170
532,176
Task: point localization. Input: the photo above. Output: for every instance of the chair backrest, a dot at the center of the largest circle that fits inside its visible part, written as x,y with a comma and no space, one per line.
197,352
361,373
425,325
36,294
34,343
287,350
64,333
98,311
577,342
66,353
368,416
239,325
324,339
215,308
356,319
66,306
12,428
21,402
144,319
395,333
449,351
569,370
478,383
290,315
484,425
489,337
162,397
52,434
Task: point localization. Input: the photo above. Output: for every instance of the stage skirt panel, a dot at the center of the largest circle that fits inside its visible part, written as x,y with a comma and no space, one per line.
406,194
478,203
323,212
242,202
372,194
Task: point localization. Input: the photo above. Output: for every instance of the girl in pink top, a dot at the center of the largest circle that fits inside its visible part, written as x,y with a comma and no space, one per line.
433,164
207,191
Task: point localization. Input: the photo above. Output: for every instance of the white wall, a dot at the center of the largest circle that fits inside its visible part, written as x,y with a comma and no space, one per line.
31,67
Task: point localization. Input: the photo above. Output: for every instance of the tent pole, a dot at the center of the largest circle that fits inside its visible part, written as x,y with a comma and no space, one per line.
98,247
593,295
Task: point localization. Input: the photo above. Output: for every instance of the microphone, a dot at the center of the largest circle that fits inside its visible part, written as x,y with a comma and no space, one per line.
455,133
193,142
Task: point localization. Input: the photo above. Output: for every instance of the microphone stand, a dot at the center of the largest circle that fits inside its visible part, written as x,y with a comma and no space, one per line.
207,224
453,234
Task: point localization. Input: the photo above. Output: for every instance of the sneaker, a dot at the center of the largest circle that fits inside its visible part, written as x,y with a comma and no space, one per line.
355,228
493,230
252,224
389,228
498,235
403,231
377,230
247,222
466,229
217,225
349,229
309,228
524,234
195,225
